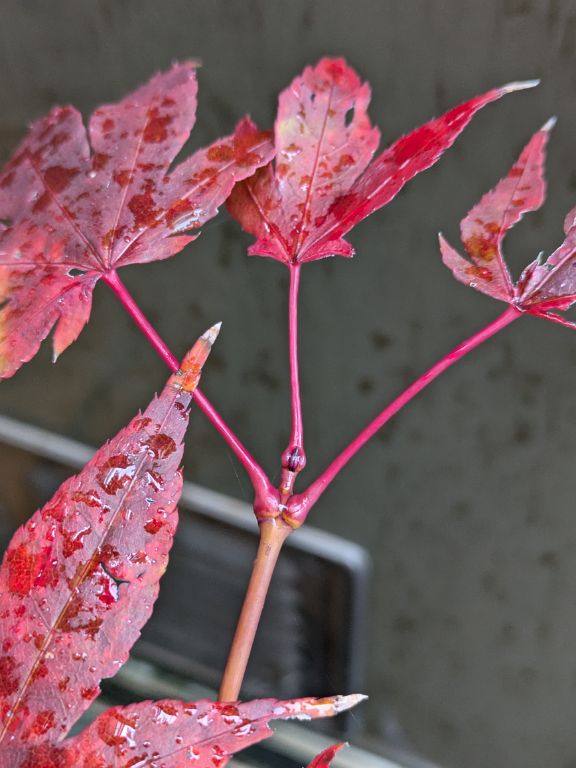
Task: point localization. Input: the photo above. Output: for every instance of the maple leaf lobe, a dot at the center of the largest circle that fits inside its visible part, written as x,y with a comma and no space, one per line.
324,180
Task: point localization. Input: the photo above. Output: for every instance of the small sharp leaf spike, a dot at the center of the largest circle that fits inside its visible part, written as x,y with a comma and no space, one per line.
323,182
324,760
80,204
79,580
543,287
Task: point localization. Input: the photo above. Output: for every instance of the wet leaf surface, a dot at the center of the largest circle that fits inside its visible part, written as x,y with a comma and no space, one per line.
204,734
158,734
80,578
80,203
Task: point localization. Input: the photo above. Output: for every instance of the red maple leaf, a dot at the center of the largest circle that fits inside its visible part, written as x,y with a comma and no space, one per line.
80,578
80,203
543,286
324,181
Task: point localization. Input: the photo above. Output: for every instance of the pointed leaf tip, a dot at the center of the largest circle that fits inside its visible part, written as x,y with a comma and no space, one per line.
188,376
550,123
342,703
194,63
212,333
520,85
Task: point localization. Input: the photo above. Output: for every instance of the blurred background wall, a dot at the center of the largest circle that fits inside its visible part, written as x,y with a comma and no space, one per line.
466,500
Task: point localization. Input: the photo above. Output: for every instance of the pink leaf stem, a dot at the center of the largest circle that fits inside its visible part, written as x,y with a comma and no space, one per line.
294,457
300,504
112,279
265,494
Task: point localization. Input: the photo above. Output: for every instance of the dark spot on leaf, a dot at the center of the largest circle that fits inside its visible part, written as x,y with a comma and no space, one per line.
8,680
179,211
42,723
106,589
204,178
39,640
90,498
153,526
155,130
57,177
481,248
122,177
344,162
112,725
167,708
142,423
29,569
161,446
99,161
40,671
115,473
7,180
42,203
481,273
220,153
143,209
155,480
72,540
43,756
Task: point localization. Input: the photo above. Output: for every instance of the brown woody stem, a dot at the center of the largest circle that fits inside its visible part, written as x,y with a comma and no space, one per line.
273,534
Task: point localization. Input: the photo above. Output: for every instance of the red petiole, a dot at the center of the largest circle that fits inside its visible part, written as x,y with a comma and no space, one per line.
294,457
263,489
301,504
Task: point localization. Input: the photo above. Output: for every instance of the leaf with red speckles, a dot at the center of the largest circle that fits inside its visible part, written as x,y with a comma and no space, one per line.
543,286
204,734
80,203
323,182
80,578
324,760
484,227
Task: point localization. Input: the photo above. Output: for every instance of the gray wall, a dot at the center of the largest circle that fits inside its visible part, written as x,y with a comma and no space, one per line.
466,500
